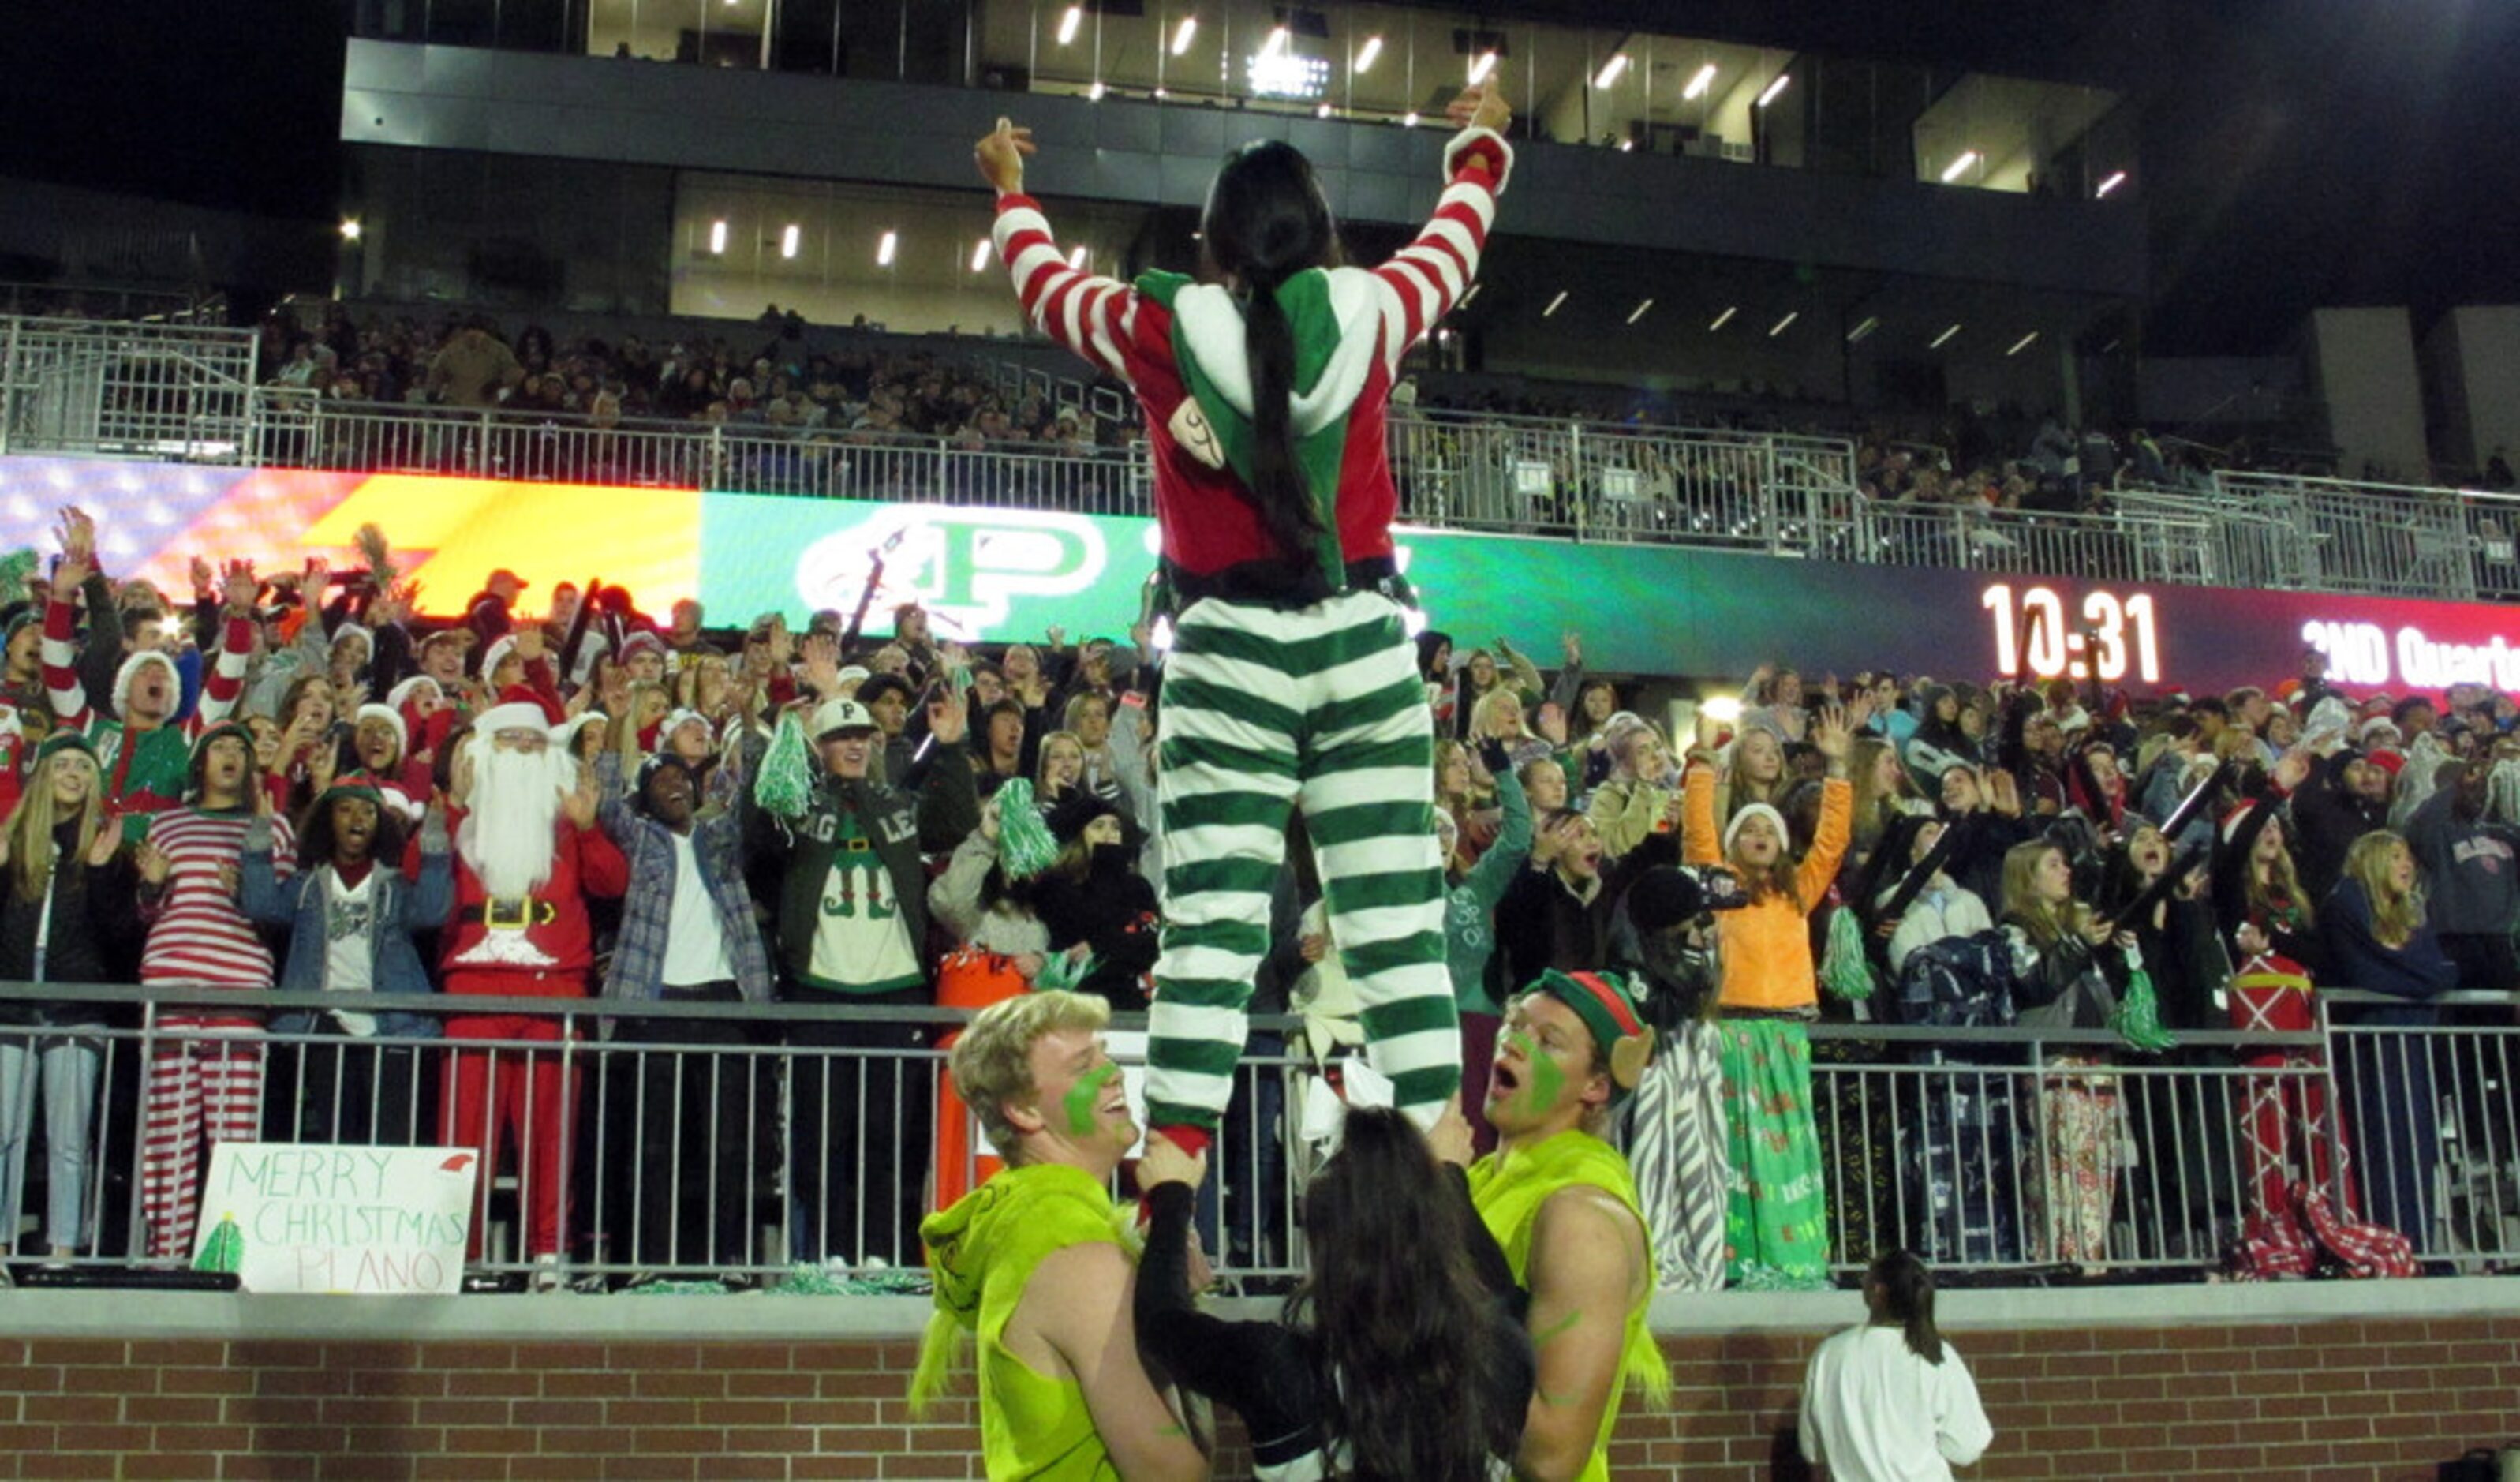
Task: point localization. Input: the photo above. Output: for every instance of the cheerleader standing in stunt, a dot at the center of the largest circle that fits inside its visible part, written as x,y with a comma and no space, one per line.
1292,681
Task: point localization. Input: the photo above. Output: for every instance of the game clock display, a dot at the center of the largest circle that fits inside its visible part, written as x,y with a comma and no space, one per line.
2115,637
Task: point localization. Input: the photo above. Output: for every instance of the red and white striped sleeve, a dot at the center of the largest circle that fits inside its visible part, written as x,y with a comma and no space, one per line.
59,654
1424,280
1087,313
225,685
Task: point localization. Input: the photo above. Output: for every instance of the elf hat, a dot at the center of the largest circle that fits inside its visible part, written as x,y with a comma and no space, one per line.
1602,999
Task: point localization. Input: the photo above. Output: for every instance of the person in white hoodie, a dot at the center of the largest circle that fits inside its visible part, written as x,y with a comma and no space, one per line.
1888,1400
1943,909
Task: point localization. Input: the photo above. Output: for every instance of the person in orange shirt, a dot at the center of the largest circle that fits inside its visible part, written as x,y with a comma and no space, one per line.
1777,1219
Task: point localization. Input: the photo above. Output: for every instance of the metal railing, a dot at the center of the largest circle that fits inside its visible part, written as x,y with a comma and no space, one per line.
118,389
709,1141
186,393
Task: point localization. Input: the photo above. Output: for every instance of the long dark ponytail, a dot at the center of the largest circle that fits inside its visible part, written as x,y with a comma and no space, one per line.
1907,1286
1266,221
1409,1346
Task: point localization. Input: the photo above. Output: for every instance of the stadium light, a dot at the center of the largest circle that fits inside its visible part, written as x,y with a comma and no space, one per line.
790,238
1958,167
1472,294
2023,343
1785,323
1323,111
1725,318
1699,84
979,254
1185,33
1869,324
1554,304
1944,338
1608,75
1094,93
883,250
1366,54
350,229
1480,69
1408,119
717,236
1723,709
1278,38
2112,183
1639,312
1068,22
1769,94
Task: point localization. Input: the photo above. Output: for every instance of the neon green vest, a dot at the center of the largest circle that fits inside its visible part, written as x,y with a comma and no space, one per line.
1508,1188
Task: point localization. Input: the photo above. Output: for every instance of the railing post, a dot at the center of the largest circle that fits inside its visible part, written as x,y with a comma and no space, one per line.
1575,492
1769,469
715,477
8,368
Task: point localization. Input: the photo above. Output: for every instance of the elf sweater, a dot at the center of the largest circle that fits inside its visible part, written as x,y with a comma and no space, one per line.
1178,345
144,771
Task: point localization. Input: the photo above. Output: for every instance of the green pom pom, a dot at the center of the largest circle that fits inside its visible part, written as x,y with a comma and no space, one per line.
1025,847
1844,972
2137,1018
14,568
1059,971
785,785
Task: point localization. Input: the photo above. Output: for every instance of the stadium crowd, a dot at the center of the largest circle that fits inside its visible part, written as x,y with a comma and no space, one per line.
239,787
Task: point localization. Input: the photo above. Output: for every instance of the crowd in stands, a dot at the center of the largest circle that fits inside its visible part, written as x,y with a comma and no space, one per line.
214,789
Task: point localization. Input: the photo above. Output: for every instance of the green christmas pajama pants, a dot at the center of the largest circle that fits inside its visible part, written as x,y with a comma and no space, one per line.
1266,710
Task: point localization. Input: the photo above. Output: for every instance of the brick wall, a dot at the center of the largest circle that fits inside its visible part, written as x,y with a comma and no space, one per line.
2380,1400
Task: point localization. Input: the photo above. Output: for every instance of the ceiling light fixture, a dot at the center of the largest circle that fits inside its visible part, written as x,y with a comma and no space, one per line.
1068,22
1608,75
350,229
1366,54
1869,324
883,250
790,238
1076,259
979,254
1480,69
1767,94
1725,318
1699,84
2112,183
1184,33
1554,303
2023,343
717,235
1944,338
1958,167
1640,311
1785,323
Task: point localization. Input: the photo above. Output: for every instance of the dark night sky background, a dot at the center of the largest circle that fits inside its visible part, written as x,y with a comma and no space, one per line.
2316,151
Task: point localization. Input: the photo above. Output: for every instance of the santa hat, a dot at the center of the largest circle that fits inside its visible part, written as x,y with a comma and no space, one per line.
565,738
402,695
130,671
675,720
353,630
391,717
2367,734
643,639
513,715
1750,811
499,651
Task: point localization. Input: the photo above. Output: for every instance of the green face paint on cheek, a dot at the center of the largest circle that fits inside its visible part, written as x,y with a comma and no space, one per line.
1086,1094
1546,1081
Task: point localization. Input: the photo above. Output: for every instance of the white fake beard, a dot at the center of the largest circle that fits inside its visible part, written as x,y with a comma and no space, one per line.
506,836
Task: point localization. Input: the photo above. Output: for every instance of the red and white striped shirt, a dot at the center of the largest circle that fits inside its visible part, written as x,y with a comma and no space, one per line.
196,934
1207,527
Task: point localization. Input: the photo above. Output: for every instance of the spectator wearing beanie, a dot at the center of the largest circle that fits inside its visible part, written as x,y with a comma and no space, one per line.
1097,909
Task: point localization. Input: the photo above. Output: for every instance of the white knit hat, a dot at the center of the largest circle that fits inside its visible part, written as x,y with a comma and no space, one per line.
130,670
1749,811
400,694
391,717
498,652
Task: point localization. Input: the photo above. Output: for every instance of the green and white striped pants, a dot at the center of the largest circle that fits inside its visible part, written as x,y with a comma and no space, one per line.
1267,710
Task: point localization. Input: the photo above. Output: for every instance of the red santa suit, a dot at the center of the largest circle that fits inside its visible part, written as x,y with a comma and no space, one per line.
537,946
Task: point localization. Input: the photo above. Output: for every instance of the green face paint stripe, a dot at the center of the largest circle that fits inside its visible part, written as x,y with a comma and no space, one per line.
1558,1329
1086,1094
1546,1081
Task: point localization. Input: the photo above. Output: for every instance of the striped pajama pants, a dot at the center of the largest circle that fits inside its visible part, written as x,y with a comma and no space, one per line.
201,1089
1265,711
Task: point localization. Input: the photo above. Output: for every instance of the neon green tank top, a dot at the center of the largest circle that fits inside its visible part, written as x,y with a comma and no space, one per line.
982,1252
1509,1189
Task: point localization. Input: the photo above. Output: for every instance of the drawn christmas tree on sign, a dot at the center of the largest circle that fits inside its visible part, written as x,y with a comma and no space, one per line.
224,1250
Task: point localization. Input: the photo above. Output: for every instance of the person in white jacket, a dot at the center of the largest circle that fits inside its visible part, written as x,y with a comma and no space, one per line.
1944,908
1889,1401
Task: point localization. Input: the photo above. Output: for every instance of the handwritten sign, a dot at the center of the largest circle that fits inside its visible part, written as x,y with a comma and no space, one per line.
369,1221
